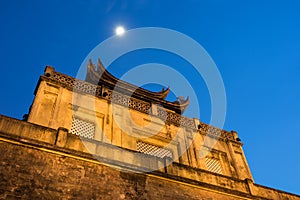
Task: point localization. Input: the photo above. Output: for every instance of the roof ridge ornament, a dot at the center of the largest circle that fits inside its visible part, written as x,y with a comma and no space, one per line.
100,66
100,76
182,102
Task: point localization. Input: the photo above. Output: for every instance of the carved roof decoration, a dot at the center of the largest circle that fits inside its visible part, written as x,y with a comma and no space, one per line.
100,76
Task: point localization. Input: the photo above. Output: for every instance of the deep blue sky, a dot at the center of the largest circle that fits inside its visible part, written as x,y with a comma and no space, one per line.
255,44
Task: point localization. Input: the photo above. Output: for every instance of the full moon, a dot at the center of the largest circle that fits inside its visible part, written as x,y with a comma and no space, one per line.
120,30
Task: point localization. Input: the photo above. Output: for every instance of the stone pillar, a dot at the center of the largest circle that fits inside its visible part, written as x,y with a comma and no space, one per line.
61,138
250,185
232,155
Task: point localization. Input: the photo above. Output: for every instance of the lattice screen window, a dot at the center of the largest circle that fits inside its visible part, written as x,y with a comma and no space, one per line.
82,128
213,165
153,150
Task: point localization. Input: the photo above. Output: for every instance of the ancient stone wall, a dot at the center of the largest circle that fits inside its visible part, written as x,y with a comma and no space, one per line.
37,162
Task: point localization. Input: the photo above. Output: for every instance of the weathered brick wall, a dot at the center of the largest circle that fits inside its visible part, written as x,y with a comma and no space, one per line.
37,162
31,173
